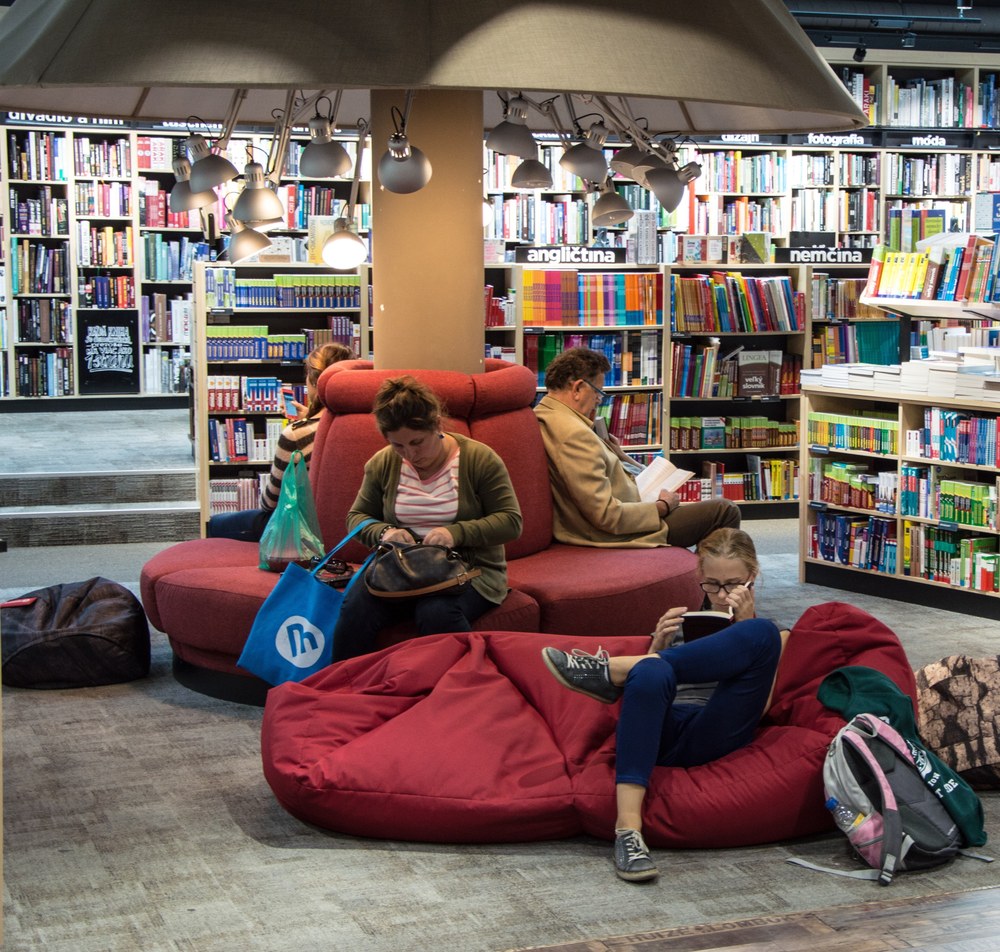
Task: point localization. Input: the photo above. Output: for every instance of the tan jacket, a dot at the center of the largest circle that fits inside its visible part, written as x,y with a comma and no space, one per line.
594,500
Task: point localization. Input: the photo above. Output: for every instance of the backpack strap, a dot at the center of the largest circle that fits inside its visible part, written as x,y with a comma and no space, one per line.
849,873
893,844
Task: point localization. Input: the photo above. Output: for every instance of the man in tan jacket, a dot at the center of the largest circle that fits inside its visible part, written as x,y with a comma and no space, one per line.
595,500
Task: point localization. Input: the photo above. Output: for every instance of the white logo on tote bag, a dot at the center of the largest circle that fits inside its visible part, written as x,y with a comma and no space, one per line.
299,642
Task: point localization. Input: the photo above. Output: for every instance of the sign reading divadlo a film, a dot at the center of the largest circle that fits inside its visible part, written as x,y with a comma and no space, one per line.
108,355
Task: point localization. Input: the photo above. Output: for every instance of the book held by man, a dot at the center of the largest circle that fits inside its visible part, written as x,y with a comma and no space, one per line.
660,474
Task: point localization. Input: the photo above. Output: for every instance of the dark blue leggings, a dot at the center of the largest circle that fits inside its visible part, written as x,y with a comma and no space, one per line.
363,616
653,731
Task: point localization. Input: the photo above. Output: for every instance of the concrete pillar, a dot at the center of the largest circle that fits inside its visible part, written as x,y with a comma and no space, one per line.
427,247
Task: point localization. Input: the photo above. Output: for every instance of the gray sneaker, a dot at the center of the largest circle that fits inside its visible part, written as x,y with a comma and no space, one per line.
632,859
581,671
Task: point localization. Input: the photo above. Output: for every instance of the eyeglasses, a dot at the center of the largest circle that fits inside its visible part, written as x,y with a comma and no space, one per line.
601,395
711,588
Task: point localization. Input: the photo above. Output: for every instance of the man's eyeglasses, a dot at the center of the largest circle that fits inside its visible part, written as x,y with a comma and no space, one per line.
712,588
601,395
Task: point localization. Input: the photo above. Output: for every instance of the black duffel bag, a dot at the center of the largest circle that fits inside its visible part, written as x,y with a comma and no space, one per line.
74,635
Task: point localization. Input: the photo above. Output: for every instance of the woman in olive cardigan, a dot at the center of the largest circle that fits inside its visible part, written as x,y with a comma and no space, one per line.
443,489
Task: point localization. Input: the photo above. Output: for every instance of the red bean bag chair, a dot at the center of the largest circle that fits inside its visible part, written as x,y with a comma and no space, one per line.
466,738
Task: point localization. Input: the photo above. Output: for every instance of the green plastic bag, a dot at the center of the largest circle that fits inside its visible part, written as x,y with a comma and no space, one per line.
292,533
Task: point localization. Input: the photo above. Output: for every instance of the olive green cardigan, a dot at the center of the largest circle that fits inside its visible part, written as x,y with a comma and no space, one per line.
488,511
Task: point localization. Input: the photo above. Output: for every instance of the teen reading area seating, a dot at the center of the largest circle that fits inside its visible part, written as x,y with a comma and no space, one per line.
403,744
205,593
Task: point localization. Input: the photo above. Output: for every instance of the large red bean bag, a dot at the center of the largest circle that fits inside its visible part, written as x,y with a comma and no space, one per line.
464,738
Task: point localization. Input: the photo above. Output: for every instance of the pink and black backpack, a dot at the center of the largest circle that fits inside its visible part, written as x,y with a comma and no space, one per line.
899,823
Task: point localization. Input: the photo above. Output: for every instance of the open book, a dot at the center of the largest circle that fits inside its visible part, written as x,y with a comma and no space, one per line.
698,624
660,474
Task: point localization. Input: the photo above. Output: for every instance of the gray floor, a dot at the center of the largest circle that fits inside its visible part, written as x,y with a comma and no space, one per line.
136,816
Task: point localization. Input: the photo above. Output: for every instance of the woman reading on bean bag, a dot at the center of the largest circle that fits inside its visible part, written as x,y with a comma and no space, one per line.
660,726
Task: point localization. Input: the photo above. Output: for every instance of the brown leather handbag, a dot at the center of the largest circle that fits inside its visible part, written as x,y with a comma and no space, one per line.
406,570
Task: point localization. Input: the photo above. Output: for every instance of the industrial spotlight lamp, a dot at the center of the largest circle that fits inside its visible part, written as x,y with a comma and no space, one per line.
208,168
403,168
324,157
182,197
345,249
586,158
610,208
512,136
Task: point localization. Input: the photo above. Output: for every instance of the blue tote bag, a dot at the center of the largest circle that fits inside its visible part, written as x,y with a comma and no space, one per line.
292,635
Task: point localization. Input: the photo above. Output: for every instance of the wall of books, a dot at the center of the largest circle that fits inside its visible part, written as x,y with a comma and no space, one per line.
97,271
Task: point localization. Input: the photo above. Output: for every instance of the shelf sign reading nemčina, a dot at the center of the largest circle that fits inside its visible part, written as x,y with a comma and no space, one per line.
822,255
569,254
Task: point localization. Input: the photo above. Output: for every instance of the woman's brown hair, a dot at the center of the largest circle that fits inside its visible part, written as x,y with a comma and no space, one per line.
317,361
406,402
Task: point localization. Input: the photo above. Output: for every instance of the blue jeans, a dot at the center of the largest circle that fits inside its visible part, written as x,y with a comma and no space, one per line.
653,731
363,616
247,525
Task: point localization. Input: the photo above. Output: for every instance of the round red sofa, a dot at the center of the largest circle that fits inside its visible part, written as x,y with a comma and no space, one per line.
468,738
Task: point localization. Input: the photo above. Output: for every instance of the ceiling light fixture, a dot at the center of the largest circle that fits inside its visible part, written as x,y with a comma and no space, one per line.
512,136
208,168
403,168
345,250
324,157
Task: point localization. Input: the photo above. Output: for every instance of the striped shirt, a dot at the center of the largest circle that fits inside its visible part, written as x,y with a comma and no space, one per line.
422,504
300,436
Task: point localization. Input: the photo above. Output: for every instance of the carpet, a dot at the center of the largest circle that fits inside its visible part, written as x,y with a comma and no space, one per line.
136,817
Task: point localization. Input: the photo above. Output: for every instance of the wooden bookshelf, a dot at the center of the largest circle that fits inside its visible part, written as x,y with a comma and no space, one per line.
227,463
887,533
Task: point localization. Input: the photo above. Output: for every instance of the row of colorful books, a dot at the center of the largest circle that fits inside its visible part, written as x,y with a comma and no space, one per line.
955,436
733,302
105,290
102,158
634,356
236,494
172,259
252,342
102,199
165,320
862,542
166,370
37,156
634,418
579,298
845,483
959,267
926,493
697,370
736,432
39,213
154,208
229,392
103,247
38,269
44,321
238,440
46,374
870,431
774,479
945,555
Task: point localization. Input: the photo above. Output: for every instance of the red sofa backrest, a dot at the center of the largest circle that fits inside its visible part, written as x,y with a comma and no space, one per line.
493,407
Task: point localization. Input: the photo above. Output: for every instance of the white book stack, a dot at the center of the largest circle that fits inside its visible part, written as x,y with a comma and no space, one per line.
835,375
913,375
887,378
811,377
861,377
941,379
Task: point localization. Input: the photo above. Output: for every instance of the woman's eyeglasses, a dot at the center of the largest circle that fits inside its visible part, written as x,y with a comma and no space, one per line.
712,588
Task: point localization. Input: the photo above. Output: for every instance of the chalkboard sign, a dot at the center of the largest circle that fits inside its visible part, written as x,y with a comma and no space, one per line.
107,352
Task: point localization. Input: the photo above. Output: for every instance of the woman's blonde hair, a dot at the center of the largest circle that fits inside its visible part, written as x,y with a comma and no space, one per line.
729,544
317,361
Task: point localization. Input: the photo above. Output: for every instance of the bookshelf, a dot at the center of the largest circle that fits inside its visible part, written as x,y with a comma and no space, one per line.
736,337
899,494
254,324
94,198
